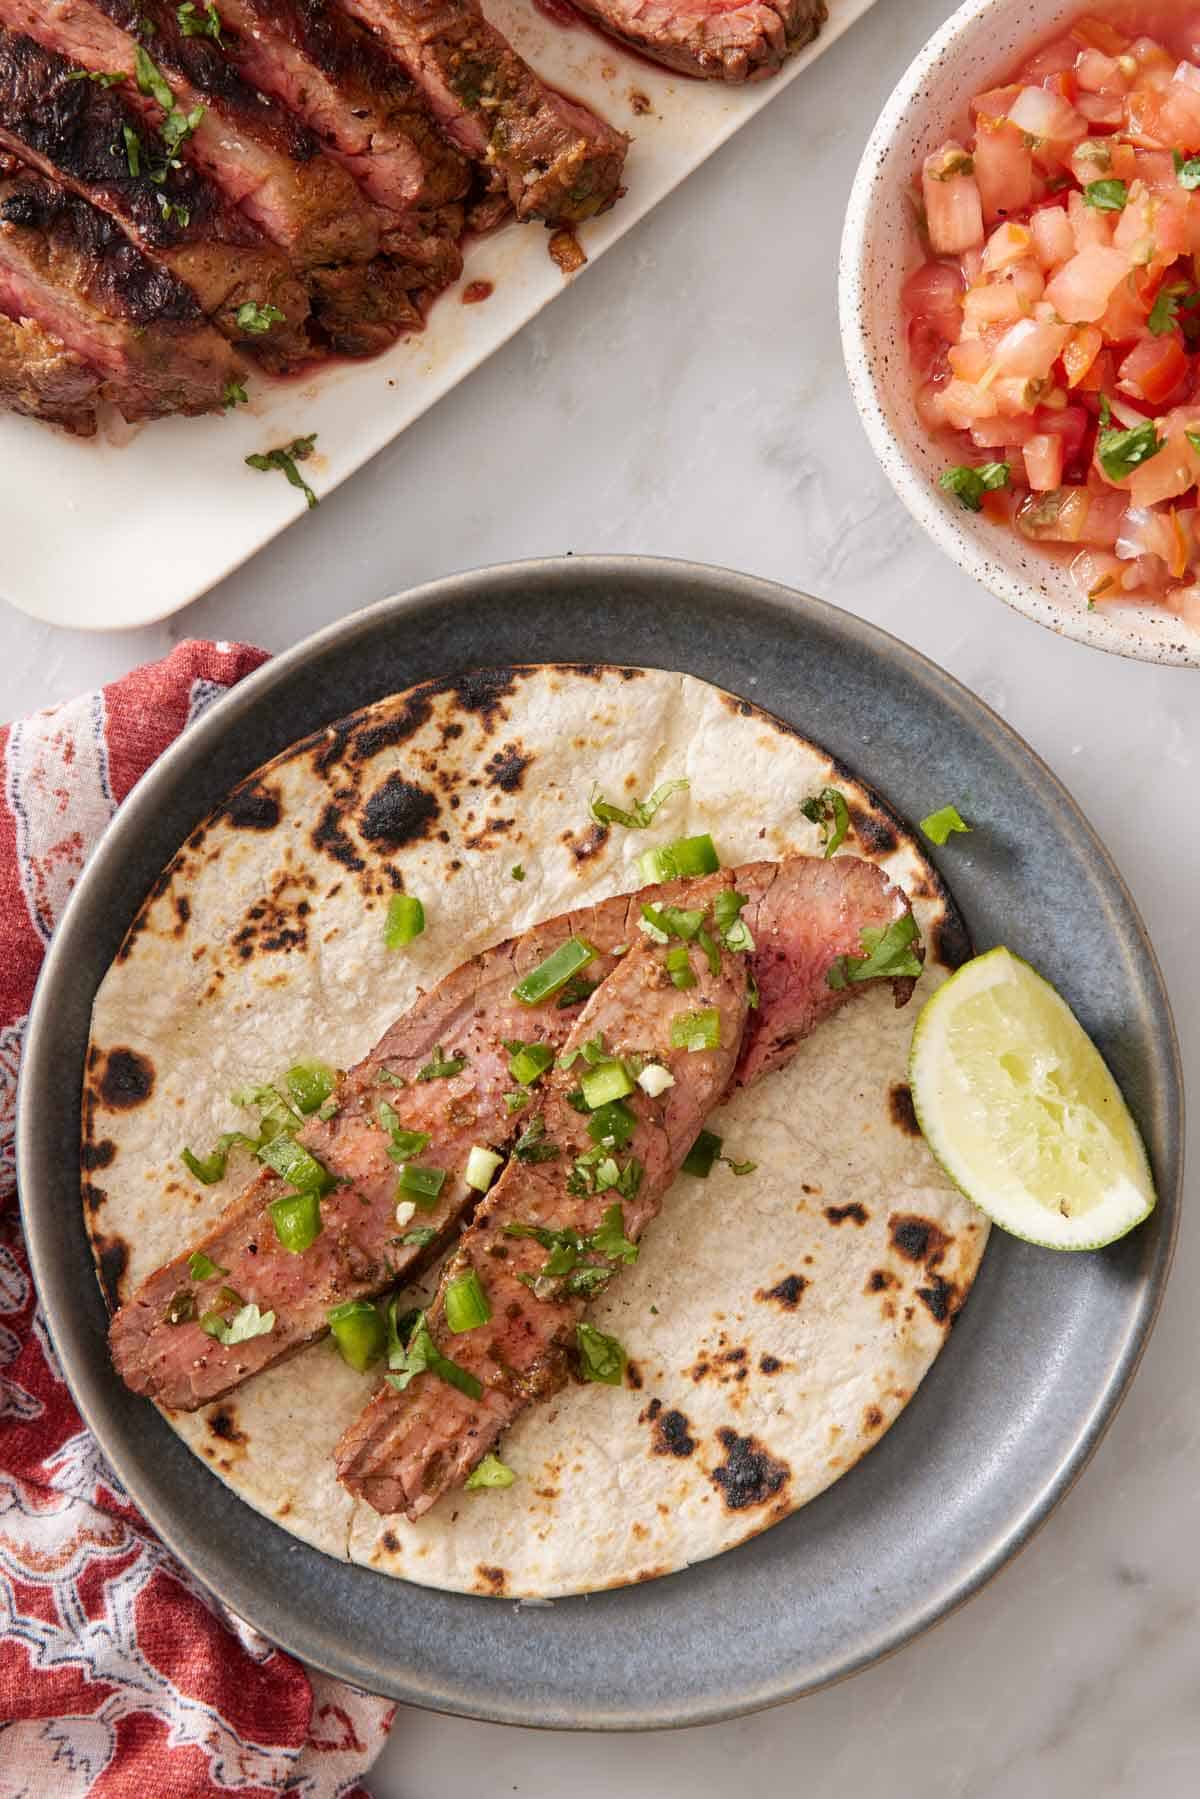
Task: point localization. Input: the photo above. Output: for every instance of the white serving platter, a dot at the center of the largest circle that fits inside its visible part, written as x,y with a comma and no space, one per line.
128,527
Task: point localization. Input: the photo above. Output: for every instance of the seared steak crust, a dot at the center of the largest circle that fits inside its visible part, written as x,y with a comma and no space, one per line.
555,160
721,40
75,131
802,913
72,269
41,379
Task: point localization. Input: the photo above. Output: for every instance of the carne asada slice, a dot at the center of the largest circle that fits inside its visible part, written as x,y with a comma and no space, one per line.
506,1311
41,379
803,913
366,111
721,40
556,160
87,137
265,161
72,270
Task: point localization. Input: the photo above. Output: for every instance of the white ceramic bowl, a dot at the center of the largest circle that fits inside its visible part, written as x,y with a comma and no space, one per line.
975,48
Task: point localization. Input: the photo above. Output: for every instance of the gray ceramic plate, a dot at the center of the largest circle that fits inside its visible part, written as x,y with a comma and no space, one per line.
1037,1364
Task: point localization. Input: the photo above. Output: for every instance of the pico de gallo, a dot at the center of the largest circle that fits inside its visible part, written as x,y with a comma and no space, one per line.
1054,327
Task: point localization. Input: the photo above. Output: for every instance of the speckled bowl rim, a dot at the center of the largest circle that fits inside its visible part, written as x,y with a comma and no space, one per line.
961,537
1040,1358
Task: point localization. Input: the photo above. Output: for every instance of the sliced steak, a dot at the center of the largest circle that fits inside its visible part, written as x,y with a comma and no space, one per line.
556,160
360,103
410,1447
73,271
76,132
805,910
41,379
721,40
263,160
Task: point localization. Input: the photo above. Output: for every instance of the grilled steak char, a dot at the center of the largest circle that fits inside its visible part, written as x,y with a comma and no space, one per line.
722,40
265,162
41,379
73,271
802,913
556,160
74,131
409,1447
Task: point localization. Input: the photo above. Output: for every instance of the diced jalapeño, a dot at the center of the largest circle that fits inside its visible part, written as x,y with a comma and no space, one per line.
359,1333
550,976
297,1220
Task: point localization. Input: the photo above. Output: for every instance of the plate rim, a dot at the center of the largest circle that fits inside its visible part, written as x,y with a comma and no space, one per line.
39,1066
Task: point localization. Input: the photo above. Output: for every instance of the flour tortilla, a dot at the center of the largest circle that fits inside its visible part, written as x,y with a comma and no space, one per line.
777,1323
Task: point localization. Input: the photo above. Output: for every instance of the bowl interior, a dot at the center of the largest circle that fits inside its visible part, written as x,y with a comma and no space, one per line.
975,49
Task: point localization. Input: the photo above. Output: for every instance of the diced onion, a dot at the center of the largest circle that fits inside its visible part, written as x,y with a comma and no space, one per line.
655,1079
481,1168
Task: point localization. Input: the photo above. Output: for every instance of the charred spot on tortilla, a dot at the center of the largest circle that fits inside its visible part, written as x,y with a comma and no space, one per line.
399,812
97,1155
223,1424
769,1364
93,1197
872,1418
390,1541
750,1474
940,1299
586,845
331,840
672,1435
917,1239
506,768
875,830
127,1080
253,808
786,1293
880,1279
183,911
633,1376
857,1213
111,1263
900,1105
494,1579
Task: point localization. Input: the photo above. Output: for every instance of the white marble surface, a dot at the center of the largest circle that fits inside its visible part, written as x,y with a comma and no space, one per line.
686,398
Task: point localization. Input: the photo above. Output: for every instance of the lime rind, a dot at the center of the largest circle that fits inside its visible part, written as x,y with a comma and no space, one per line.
1018,1107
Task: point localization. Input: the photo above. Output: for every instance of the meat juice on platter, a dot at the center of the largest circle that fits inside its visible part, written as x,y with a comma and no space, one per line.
1054,326
188,193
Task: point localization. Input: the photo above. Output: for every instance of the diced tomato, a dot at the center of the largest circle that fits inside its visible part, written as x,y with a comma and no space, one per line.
1003,170
1053,237
953,210
1154,369
1074,427
1080,352
1100,376
1044,461
934,294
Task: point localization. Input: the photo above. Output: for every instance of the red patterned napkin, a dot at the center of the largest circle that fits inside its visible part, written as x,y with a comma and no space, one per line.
120,1678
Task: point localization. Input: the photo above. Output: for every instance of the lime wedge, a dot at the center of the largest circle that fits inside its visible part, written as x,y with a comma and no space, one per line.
1021,1112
